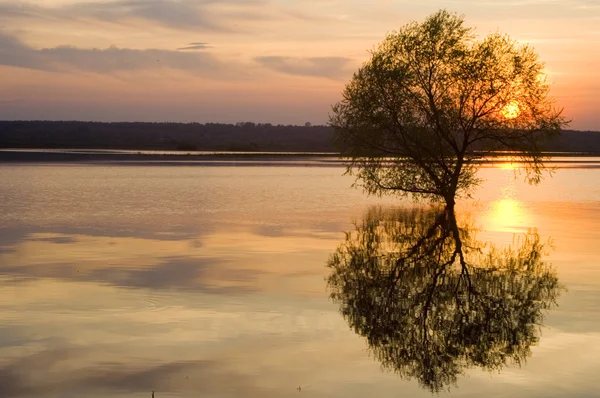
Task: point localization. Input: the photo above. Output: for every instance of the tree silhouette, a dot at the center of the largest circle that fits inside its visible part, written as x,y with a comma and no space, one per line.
431,300
432,100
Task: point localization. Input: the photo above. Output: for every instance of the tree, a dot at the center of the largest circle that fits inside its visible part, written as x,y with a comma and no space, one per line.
433,100
431,300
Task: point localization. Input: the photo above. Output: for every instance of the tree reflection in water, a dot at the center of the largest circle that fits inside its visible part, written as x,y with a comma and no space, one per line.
432,301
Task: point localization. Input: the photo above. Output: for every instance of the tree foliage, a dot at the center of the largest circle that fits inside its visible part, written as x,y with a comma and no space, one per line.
432,301
433,99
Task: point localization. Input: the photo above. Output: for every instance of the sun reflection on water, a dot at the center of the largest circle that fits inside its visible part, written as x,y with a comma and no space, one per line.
507,215
507,166
506,163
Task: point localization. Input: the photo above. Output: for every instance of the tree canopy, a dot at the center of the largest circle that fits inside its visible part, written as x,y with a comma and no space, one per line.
433,100
431,300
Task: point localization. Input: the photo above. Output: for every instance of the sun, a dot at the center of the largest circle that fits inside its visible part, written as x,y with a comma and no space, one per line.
511,110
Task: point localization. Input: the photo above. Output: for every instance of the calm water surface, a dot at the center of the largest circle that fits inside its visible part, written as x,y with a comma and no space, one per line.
205,281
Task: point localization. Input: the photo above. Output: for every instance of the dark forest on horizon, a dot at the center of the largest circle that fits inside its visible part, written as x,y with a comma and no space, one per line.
243,136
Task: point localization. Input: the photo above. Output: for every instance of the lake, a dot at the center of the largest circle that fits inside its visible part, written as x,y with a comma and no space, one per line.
212,280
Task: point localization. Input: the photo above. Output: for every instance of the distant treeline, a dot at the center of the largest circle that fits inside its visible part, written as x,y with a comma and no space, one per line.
244,136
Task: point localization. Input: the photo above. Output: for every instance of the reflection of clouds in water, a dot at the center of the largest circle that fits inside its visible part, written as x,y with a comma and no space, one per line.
123,261
151,323
44,372
280,369
277,344
561,359
11,237
236,261
181,273
202,274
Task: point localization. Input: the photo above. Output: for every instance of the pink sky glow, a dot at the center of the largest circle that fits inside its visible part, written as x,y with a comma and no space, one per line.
277,61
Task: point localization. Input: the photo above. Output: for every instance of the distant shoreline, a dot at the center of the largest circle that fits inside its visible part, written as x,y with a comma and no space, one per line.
148,157
144,157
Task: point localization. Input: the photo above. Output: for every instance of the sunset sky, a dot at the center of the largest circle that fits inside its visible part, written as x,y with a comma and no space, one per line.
277,61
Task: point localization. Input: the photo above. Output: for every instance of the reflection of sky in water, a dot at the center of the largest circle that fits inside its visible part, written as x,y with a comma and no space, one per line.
202,281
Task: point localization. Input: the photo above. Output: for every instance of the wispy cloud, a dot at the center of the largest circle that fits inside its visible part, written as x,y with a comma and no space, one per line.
10,10
329,67
195,46
113,59
170,13
206,15
108,60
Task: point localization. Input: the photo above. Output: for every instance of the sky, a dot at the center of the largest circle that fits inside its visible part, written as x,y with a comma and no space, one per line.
271,61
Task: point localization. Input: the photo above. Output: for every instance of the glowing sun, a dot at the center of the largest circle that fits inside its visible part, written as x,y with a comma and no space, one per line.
511,110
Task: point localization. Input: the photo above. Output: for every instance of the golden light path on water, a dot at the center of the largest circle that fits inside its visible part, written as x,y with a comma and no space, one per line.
506,213
507,166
